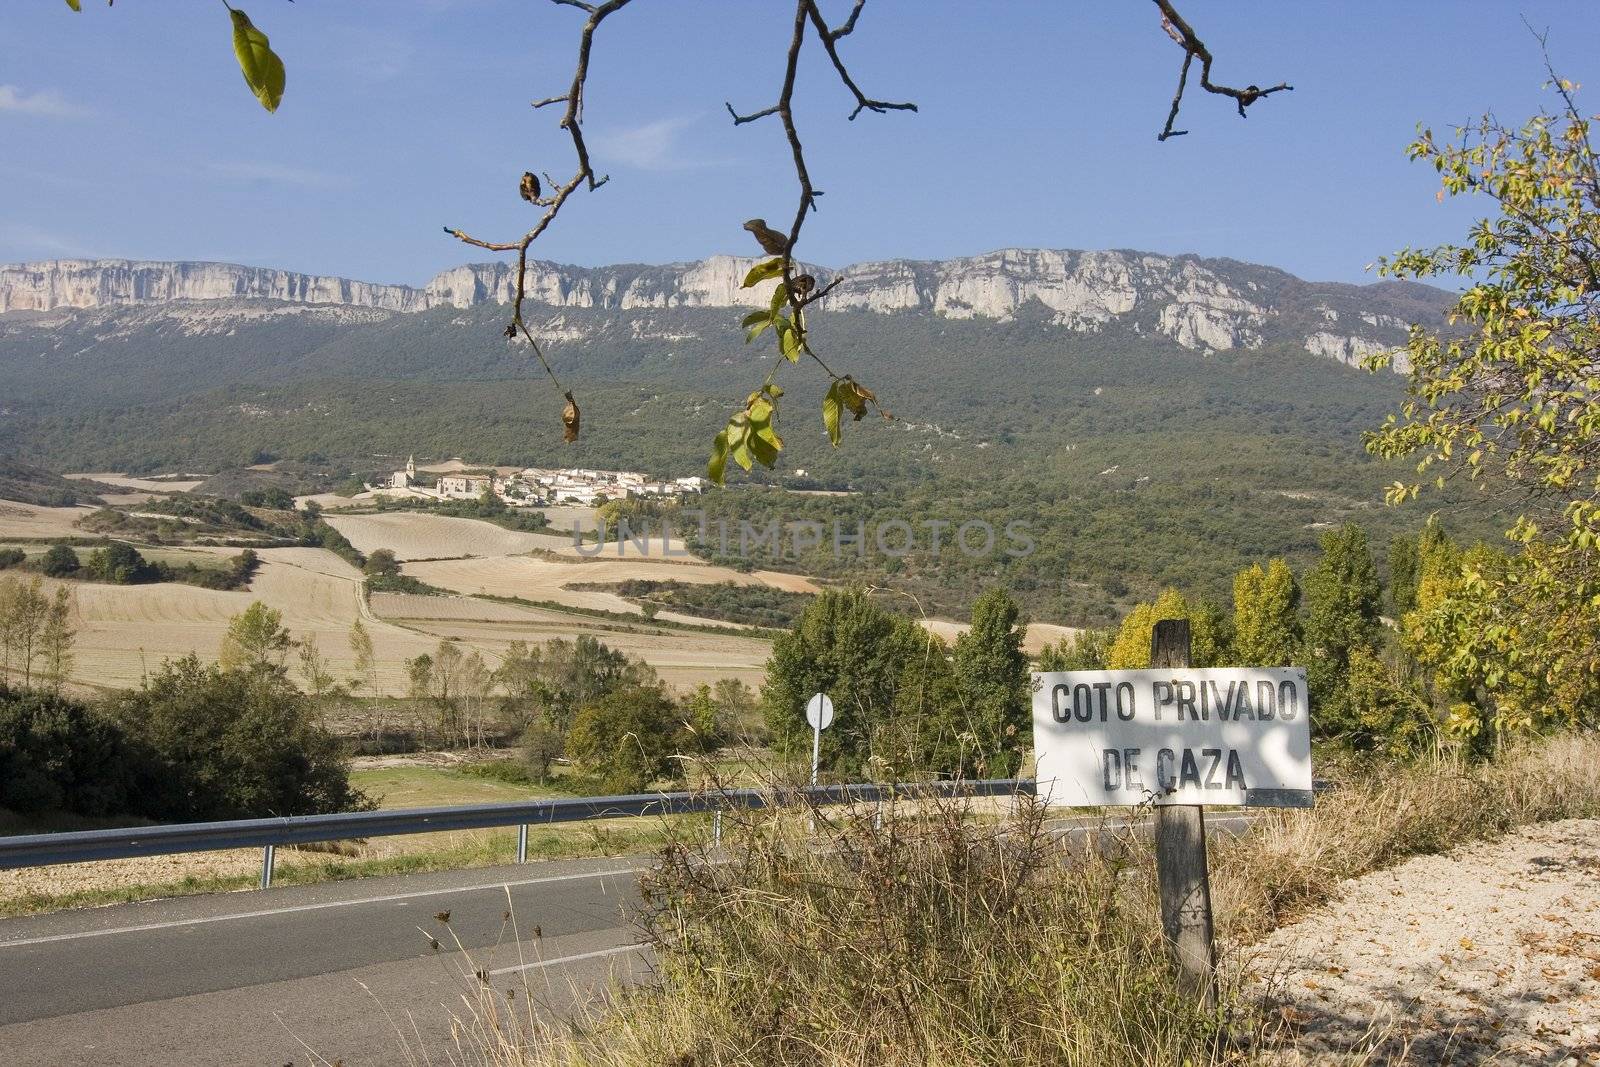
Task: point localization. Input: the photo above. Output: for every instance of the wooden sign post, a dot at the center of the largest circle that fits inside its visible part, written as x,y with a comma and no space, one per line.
1181,857
1175,737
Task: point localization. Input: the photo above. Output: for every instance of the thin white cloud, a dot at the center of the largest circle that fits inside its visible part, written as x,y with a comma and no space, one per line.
46,103
651,146
276,173
23,241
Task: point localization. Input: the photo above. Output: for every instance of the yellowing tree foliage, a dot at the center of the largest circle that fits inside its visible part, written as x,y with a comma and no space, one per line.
1508,397
1131,649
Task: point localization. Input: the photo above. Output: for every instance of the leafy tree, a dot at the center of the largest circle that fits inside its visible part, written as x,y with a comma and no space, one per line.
1385,715
1207,632
419,676
121,563
736,703
627,738
25,612
60,562
256,640
707,730
848,647
542,745
1404,569
992,684
381,563
1266,620
1507,399
1087,650
233,744
474,681
1342,601
319,681
58,754
56,637
361,651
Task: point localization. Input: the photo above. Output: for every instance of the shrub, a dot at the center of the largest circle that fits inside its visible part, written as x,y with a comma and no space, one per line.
626,738
58,754
60,562
12,557
234,744
121,563
382,564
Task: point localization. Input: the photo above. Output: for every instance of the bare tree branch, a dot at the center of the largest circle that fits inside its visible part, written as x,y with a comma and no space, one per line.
1181,32
806,12
572,122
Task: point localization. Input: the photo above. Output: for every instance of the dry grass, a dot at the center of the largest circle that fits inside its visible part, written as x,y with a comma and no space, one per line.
33,520
943,939
125,631
417,535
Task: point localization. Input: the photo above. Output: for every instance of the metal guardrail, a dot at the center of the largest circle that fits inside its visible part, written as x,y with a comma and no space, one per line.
81,846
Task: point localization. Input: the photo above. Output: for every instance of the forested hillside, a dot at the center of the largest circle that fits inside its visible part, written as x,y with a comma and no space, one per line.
1120,446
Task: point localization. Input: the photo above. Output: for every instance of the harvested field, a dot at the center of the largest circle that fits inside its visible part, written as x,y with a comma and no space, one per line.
547,579
1039,635
126,630
33,520
148,485
415,535
684,660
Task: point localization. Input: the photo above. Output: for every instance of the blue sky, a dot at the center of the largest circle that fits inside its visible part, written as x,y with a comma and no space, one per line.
129,132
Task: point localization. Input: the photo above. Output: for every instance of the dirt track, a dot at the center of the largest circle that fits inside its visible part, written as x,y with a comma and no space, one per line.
1491,954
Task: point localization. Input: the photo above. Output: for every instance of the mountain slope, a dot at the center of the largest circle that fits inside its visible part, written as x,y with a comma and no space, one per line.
1199,303
1155,419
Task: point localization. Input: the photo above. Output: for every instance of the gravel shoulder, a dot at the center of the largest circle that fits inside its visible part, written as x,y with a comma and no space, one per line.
1488,955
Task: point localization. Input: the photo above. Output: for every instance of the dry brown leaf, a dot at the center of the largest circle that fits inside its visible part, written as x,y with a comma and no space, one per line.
569,420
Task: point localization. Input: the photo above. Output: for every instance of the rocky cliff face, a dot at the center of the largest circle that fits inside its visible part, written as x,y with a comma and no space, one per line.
1197,303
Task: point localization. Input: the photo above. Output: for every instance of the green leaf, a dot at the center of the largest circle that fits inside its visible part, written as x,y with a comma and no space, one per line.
76,5
741,449
769,268
262,69
780,294
763,447
719,458
755,317
830,413
789,341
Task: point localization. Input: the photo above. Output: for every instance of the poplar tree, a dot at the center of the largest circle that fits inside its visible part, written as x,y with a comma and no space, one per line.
56,636
256,640
1342,600
1266,619
365,661
991,678
1207,632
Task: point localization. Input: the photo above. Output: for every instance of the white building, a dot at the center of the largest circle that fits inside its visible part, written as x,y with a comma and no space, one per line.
406,478
466,486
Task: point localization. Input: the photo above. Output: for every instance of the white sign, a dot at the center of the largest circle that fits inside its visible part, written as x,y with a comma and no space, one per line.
1173,735
819,711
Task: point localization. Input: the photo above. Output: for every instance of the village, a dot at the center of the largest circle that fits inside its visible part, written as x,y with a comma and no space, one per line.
533,487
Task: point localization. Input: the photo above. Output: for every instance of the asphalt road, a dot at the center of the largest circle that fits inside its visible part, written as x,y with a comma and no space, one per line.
300,975
339,972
